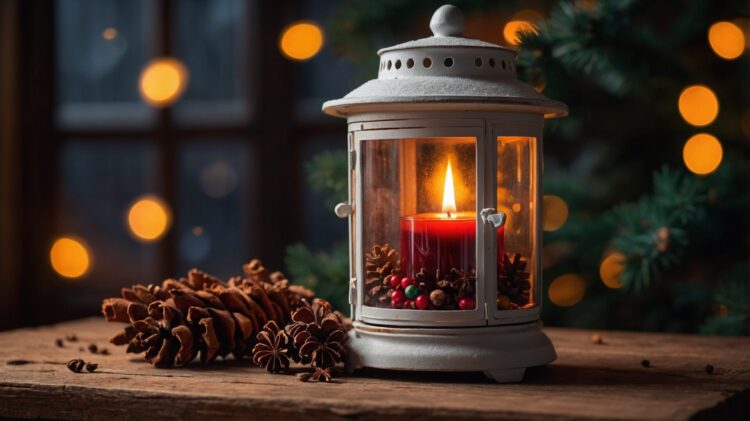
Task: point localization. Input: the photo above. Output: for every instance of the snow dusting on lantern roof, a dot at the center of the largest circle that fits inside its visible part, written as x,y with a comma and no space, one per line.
443,69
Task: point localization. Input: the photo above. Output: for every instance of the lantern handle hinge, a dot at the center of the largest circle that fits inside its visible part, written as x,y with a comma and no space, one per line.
343,210
494,217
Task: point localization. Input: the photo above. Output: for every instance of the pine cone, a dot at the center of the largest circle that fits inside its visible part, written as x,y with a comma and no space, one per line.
513,286
179,319
318,334
380,262
272,350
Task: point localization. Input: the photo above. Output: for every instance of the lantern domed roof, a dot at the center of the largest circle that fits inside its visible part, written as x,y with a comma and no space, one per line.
445,69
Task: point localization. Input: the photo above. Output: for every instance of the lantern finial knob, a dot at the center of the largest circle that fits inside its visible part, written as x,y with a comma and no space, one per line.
447,21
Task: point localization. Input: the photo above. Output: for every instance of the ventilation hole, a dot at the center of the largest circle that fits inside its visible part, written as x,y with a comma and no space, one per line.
409,63
502,63
492,62
389,65
448,62
427,63
398,64
478,62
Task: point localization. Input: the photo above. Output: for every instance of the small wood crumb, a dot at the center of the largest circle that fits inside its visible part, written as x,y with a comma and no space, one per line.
59,343
91,367
104,351
72,338
597,339
709,369
646,363
303,377
93,348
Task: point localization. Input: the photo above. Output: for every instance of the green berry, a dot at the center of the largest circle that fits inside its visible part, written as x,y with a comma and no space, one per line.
412,291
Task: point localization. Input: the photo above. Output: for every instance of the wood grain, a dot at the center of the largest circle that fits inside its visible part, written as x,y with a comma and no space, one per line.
588,381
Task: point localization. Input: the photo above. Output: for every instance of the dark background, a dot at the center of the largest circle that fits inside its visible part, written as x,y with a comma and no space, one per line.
79,145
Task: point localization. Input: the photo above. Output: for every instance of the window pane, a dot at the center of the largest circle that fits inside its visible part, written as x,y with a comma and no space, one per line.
419,203
216,206
327,75
516,195
99,183
102,46
212,41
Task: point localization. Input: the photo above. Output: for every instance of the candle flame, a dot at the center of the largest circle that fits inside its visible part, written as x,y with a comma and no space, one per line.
449,195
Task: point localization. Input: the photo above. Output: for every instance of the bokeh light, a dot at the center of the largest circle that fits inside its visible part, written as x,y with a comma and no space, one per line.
567,290
109,34
218,179
611,270
727,40
162,82
554,212
698,105
514,28
702,153
70,257
149,218
301,41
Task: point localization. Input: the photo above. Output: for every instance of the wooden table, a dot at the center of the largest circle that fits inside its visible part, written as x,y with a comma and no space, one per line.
588,381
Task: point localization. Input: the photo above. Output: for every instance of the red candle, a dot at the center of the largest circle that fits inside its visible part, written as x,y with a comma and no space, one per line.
435,241
441,241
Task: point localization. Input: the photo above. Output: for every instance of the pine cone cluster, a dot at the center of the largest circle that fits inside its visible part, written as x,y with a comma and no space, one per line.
513,285
380,263
176,320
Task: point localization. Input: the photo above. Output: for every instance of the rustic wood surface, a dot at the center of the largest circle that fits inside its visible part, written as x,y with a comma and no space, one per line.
588,381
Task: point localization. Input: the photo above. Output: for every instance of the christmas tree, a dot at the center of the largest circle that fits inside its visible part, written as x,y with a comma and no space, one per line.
646,182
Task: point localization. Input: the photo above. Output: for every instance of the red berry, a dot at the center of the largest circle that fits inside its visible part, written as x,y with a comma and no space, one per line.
394,281
422,301
409,304
466,303
405,282
398,296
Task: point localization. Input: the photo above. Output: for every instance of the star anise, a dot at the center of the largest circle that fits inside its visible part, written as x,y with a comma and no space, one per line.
461,282
321,375
272,350
318,334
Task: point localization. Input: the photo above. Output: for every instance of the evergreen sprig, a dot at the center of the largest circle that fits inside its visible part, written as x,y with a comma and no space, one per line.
651,233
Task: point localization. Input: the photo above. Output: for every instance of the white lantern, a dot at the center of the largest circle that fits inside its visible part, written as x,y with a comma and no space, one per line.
445,194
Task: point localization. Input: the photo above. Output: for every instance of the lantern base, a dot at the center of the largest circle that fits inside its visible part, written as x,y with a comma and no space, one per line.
502,353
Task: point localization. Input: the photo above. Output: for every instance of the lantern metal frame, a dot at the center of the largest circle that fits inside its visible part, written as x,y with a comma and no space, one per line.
462,99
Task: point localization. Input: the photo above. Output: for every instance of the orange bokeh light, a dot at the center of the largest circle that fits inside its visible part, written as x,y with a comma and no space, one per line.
162,81
70,257
698,105
301,41
149,218
702,153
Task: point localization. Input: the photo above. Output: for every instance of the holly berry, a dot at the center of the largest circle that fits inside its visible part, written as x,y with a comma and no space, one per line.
466,303
408,304
394,281
405,282
422,301
411,291
397,297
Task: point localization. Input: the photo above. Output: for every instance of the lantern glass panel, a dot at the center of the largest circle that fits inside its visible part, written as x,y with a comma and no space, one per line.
516,197
419,199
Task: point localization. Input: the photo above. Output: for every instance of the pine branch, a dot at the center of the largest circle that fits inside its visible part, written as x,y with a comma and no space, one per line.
651,233
733,302
326,273
326,173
